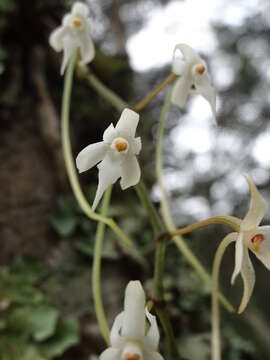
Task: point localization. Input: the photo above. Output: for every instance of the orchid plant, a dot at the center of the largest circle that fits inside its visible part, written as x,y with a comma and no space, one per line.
135,333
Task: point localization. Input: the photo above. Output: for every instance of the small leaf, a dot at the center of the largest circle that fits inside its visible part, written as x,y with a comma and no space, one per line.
66,336
7,5
64,226
39,322
31,354
3,324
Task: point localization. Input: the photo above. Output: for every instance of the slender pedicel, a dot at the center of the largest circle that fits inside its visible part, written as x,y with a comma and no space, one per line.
231,221
152,94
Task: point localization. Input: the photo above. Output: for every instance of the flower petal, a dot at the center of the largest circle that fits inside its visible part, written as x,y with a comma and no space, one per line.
205,89
257,207
262,251
57,37
153,356
181,90
70,46
67,20
115,336
110,354
131,172
109,134
179,66
137,145
90,156
239,248
248,276
152,337
128,122
87,49
109,172
134,316
189,54
80,9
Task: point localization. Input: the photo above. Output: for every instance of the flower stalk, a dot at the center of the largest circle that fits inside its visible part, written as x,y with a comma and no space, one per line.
231,221
158,226
114,99
150,96
96,278
215,316
105,92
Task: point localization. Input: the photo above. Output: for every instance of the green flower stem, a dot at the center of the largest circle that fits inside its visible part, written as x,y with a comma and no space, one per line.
231,221
148,205
158,227
115,100
215,346
152,94
181,245
106,93
96,279
159,162
167,327
71,170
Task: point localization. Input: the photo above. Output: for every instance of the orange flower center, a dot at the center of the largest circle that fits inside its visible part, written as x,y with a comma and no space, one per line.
256,241
200,69
132,357
76,22
120,144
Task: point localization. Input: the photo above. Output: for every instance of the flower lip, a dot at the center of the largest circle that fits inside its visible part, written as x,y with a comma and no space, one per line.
121,145
256,241
132,351
76,22
132,357
198,69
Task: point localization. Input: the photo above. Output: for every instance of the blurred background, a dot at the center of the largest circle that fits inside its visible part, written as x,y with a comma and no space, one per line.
46,307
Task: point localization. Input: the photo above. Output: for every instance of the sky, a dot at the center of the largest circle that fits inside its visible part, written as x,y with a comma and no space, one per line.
184,21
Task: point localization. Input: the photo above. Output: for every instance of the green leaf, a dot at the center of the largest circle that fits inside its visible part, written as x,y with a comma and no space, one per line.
29,272
15,347
66,336
86,246
39,322
7,5
64,226
21,295
3,324
31,353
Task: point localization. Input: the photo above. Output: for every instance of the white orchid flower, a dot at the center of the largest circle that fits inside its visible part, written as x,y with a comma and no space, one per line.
129,338
116,154
73,35
193,78
251,237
